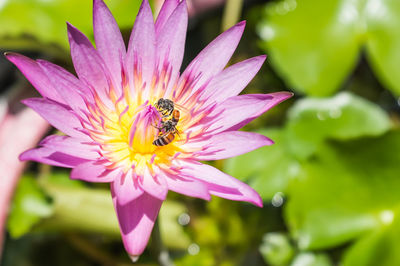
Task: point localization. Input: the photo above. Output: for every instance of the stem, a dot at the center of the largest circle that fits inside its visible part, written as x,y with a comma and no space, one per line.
231,14
158,247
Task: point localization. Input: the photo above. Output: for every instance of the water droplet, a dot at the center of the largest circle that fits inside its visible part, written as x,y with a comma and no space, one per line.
184,219
134,258
277,199
193,249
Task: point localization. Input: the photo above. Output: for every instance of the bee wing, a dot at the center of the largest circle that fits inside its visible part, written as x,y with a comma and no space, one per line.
185,113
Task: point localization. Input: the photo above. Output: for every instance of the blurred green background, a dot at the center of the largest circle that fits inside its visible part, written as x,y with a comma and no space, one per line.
330,184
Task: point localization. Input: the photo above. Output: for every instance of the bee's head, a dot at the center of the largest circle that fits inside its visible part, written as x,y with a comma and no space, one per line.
164,104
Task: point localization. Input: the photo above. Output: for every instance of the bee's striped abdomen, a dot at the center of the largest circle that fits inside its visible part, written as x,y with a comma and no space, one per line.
164,139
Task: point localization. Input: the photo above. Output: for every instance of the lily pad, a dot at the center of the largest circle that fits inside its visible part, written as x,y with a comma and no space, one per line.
312,44
343,117
345,191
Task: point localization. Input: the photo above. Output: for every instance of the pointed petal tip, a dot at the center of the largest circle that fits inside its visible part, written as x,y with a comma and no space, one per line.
267,141
281,95
22,157
97,2
71,30
253,197
287,94
263,56
13,57
27,101
145,3
30,101
259,58
8,54
259,203
69,25
241,23
239,26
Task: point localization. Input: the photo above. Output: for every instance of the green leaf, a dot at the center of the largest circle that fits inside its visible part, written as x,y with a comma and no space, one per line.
312,44
45,20
344,116
383,23
378,248
276,249
267,169
29,206
344,191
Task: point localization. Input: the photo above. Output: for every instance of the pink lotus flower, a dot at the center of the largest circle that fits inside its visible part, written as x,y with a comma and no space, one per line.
111,121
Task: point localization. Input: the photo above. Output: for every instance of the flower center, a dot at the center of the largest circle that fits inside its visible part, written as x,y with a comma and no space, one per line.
143,130
133,135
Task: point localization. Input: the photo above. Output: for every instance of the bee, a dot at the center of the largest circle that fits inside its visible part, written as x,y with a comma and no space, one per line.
165,107
169,135
169,121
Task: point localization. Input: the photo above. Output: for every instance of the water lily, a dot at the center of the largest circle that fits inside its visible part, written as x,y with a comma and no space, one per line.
111,117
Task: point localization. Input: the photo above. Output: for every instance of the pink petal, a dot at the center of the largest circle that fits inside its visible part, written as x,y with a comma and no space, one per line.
18,132
57,115
154,186
237,111
232,80
141,48
126,189
35,75
49,156
228,144
187,186
136,220
165,12
219,183
71,146
171,41
66,85
88,64
94,171
109,42
212,59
